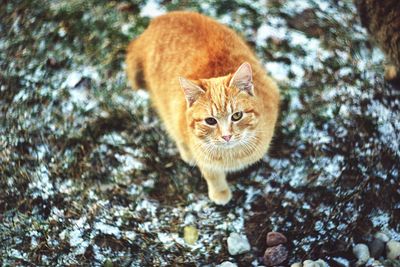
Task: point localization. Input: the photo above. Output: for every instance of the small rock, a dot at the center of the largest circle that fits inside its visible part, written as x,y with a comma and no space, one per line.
317,263
190,235
108,263
376,248
394,263
227,264
382,236
321,263
309,263
393,250
362,253
342,261
296,264
237,244
373,263
275,238
275,255
390,72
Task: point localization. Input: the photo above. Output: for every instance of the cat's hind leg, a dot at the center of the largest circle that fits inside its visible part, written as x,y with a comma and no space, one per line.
134,65
218,189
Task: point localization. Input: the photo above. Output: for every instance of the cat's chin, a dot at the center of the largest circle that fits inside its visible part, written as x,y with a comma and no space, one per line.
228,145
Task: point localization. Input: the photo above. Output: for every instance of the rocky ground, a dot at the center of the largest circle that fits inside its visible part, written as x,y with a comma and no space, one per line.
88,175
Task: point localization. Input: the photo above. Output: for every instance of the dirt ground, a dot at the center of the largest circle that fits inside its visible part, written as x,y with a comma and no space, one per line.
88,175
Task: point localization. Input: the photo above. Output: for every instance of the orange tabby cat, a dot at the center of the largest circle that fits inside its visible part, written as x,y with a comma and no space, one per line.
211,92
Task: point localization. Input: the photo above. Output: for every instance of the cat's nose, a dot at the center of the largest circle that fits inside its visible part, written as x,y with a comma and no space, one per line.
227,137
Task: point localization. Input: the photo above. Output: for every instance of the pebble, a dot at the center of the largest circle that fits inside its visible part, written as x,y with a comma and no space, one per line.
322,263
376,248
393,250
317,263
362,253
309,263
190,235
108,263
382,236
227,264
275,255
275,238
296,264
342,261
373,263
237,244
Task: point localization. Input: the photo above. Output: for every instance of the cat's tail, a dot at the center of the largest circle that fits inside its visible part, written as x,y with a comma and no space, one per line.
134,65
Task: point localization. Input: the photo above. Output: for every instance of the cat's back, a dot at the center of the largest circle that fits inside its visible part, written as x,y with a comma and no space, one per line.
189,26
197,46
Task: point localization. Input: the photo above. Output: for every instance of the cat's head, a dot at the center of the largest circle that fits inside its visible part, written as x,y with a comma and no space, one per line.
222,111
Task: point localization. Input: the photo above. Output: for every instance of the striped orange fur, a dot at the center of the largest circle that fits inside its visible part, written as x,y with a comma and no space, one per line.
199,72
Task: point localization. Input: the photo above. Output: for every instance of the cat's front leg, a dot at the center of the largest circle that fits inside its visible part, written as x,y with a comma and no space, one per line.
218,189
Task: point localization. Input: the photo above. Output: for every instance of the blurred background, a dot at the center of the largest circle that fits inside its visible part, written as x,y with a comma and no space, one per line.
88,175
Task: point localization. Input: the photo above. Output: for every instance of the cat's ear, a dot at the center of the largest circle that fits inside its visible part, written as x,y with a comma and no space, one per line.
191,90
243,79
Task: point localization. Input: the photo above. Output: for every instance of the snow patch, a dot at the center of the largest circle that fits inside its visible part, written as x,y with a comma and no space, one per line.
152,9
107,229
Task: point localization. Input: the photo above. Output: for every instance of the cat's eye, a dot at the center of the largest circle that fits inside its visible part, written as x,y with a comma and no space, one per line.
237,116
211,121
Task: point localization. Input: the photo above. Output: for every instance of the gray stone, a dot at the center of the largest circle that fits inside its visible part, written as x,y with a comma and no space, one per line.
393,250
309,263
227,264
382,236
376,248
373,263
321,263
342,261
237,244
362,253
317,263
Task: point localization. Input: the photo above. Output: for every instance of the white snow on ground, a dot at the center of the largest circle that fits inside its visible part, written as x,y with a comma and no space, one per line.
75,237
273,27
213,224
107,229
41,184
278,70
380,220
170,239
152,9
80,95
113,138
130,235
295,7
75,77
388,125
129,161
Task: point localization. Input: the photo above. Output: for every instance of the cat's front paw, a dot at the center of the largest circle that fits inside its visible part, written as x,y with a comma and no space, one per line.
220,197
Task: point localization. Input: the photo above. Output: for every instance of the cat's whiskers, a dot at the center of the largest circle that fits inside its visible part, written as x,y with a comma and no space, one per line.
243,145
209,148
250,143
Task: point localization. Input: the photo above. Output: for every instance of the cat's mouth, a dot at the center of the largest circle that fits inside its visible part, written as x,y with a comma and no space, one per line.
229,144
217,144
232,143
237,141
